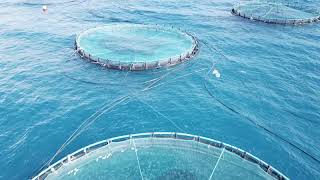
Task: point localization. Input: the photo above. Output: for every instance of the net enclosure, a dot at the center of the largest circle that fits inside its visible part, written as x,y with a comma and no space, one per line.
161,155
136,46
284,12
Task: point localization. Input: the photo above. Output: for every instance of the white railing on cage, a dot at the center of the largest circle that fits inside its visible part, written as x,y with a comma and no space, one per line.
163,135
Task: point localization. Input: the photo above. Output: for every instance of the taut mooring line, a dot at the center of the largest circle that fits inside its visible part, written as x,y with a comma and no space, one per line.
257,124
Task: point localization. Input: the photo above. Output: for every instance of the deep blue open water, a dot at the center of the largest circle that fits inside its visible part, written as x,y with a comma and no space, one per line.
265,102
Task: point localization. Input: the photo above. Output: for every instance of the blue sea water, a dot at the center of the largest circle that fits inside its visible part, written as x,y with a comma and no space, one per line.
265,102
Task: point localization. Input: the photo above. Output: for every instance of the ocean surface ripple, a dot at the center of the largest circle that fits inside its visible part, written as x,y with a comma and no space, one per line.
270,81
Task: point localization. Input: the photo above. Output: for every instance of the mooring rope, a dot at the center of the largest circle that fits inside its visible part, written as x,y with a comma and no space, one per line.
182,76
269,131
161,114
85,124
107,107
104,109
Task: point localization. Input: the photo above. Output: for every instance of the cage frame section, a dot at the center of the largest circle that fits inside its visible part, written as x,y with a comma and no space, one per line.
236,12
141,65
162,135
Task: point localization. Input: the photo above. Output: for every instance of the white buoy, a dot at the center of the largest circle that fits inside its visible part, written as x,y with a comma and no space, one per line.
53,170
44,8
216,73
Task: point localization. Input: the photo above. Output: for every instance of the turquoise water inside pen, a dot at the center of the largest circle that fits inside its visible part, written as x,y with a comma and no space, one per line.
275,10
270,79
135,43
160,159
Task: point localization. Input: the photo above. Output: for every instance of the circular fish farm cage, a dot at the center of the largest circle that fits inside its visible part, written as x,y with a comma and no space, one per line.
277,12
136,47
162,155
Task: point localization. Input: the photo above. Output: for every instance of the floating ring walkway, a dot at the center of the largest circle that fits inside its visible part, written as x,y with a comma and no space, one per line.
160,155
275,13
136,47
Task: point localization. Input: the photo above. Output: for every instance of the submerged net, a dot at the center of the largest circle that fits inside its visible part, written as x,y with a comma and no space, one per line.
160,156
136,46
278,11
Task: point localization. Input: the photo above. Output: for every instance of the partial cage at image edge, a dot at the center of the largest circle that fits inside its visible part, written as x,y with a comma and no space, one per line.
159,137
236,10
